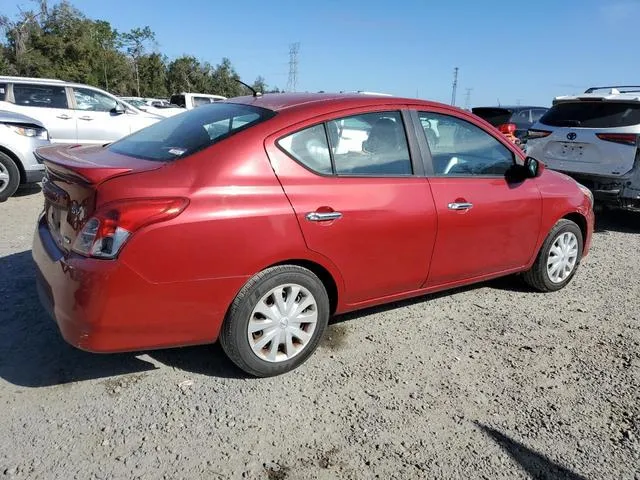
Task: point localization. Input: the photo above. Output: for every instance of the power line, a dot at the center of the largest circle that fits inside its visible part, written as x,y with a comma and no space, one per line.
455,86
292,83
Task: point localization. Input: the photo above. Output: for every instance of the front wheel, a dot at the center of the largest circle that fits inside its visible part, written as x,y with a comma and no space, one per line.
276,321
558,258
9,177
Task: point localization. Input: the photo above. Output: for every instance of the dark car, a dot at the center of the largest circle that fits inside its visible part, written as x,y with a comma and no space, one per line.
511,120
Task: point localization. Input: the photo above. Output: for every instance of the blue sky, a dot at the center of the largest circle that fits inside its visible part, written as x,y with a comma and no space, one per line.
506,51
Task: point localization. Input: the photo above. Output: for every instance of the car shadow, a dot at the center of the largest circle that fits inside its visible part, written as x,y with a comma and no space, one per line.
34,354
29,189
535,464
617,221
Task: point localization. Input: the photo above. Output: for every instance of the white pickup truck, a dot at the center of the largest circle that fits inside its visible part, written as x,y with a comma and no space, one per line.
193,100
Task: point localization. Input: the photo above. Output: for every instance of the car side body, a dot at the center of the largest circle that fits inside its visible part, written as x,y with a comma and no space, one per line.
251,205
73,113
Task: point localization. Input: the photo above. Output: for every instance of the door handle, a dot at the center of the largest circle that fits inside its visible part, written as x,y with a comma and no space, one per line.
460,206
64,116
323,216
88,119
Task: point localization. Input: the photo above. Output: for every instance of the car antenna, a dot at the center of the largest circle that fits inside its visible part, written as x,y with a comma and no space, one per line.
253,90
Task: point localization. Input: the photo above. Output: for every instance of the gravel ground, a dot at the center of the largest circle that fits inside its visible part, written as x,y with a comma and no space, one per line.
490,381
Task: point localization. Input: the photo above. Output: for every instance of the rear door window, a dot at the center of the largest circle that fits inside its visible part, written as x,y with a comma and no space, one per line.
592,115
182,135
43,96
3,91
92,101
370,144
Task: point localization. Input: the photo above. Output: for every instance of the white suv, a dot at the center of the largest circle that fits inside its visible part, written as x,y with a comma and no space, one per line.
593,137
71,112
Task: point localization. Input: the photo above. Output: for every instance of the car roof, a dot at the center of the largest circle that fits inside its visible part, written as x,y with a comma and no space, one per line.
46,81
325,101
612,95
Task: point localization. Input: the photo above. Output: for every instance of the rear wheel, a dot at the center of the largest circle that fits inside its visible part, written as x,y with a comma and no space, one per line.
276,321
558,258
9,177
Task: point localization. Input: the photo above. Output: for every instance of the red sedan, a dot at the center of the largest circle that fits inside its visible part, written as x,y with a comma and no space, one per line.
252,221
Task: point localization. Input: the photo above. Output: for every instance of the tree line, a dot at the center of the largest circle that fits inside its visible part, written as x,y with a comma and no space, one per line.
61,42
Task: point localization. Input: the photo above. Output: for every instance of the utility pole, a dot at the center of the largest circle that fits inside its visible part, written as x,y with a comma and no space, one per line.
455,86
467,98
292,83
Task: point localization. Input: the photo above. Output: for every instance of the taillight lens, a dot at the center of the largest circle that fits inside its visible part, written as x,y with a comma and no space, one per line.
532,134
507,128
104,234
624,138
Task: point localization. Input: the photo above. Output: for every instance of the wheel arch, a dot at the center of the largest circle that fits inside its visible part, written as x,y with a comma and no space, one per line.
581,221
322,273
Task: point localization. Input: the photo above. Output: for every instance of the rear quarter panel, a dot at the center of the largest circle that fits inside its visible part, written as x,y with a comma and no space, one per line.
237,223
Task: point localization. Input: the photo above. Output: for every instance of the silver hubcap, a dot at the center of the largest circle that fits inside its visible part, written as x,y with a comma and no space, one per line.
563,256
282,323
4,177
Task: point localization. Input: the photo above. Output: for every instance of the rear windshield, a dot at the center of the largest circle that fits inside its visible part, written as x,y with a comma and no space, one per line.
495,116
178,100
182,135
592,115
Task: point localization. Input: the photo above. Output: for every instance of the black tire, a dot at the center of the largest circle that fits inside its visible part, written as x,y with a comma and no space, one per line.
538,276
234,333
8,166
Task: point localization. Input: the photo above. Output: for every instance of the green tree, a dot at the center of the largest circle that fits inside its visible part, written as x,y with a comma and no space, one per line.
153,75
225,80
135,43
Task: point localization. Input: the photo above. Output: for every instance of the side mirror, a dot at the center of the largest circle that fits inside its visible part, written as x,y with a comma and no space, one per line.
534,167
531,168
118,109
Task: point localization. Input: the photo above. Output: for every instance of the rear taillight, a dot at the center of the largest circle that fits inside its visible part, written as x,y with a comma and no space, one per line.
507,128
106,232
532,134
624,138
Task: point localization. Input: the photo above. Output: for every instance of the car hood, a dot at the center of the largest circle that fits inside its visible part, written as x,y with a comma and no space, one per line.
13,117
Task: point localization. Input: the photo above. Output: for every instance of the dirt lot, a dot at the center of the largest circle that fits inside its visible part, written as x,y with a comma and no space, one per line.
491,381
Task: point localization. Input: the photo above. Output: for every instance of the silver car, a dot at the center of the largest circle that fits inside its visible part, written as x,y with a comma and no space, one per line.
19,137
72,112
594,138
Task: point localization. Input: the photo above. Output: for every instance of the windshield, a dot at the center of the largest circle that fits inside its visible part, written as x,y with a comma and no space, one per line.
189,132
